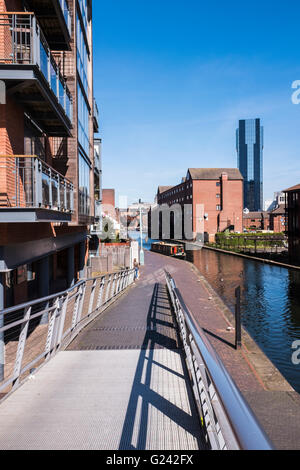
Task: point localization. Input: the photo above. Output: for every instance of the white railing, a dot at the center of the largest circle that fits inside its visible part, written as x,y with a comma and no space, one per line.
228,422
32,333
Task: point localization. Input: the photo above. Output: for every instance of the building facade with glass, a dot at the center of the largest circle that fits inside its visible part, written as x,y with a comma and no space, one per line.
46,146
249,144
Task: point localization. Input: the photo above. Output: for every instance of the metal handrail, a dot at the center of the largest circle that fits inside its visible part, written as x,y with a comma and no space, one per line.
37,184
228,421
30,47
33,332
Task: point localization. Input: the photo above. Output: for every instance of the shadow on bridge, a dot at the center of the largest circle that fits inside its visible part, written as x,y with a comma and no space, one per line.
161,335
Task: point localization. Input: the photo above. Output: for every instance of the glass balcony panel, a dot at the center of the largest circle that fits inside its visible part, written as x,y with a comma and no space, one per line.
45,190
61,97
62,196
54,186
43,60
53,74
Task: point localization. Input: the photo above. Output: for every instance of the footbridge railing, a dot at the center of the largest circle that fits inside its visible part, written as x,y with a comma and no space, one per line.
32,333
228,422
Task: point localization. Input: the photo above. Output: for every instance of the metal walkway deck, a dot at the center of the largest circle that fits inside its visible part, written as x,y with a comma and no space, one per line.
122,384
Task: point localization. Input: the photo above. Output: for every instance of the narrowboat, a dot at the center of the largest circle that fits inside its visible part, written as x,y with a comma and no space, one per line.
169,249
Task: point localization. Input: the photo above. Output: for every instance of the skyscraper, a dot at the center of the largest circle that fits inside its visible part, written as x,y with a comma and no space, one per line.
249,142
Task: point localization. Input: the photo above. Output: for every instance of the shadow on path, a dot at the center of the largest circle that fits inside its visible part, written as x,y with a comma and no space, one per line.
142,396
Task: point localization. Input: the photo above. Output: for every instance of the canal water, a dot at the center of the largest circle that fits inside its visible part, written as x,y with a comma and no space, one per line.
270,301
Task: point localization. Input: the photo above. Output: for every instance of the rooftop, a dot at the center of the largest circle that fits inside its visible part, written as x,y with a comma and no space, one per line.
214,173
293,188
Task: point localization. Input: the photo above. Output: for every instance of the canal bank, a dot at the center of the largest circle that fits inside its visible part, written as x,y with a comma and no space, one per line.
255,258
273,400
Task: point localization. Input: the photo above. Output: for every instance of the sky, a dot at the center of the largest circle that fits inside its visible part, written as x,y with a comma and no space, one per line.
172,78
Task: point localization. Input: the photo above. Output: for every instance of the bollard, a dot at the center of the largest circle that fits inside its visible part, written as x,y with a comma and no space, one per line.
238,322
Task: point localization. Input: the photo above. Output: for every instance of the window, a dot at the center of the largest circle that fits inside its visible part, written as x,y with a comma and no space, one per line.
83,122
84,185
218,196
82,57
219,208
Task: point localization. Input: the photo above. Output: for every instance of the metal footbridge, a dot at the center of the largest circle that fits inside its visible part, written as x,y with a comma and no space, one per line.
112,364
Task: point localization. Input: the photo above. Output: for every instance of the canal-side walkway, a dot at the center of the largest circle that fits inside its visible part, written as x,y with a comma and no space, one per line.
123,383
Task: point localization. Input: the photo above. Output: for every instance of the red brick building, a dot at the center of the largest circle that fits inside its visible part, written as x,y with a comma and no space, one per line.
254,221
47,126
208,200
293,221
278,219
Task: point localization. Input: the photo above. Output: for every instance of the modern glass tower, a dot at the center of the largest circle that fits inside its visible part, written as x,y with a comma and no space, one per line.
250,143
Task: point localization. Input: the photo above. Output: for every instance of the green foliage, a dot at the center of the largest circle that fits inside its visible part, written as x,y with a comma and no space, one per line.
235,241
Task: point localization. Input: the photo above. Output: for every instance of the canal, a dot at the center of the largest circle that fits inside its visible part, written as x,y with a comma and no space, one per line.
270,301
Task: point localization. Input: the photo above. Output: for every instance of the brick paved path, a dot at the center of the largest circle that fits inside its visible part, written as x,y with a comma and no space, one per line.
122,384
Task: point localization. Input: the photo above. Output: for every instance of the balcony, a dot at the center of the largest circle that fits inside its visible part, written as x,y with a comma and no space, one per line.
31,75
32,191
96,117
55,19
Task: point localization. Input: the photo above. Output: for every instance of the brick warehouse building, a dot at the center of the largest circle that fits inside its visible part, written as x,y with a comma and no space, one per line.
293,222
47,126
210,199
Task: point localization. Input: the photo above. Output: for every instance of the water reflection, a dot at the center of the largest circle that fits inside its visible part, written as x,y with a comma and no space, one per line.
270,303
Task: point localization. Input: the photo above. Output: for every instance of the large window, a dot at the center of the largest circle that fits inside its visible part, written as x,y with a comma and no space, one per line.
84,185
82,57
83,9
83,122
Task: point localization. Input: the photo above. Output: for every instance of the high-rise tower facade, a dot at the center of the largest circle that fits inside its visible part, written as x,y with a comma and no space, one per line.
250,143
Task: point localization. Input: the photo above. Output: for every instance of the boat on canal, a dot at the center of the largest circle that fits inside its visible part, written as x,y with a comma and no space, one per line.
169,249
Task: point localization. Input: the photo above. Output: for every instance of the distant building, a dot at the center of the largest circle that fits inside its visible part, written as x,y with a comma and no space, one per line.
278,219
293,227
279,200
108,202
208,200
249,144
258,220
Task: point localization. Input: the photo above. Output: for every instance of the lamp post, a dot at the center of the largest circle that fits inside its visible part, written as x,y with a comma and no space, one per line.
142,258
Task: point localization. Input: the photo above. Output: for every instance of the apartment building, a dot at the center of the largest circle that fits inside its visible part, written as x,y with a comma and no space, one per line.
208,200
48,117
293,222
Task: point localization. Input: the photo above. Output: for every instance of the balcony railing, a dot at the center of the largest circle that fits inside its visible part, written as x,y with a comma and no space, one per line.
24,44
28,182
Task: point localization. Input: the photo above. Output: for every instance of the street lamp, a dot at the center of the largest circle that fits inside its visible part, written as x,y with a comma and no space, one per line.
142,258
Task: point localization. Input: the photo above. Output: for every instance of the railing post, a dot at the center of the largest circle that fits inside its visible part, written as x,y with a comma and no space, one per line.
113,289
51,329
100,294
92,296
38,183
107,298
50,188
79,306
61,322
21,347
118,283
58,193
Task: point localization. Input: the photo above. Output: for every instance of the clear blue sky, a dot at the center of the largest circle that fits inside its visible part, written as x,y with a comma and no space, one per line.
172,78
